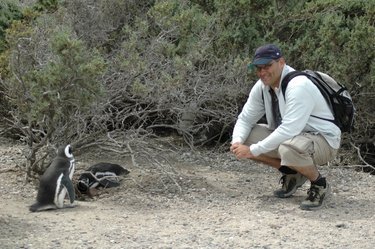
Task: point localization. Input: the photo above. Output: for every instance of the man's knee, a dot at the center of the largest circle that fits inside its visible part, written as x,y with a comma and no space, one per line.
258,133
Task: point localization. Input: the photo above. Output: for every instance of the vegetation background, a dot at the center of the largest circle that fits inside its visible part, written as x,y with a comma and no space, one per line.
115,73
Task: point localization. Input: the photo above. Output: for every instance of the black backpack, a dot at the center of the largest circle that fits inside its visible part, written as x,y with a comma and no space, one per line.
336,95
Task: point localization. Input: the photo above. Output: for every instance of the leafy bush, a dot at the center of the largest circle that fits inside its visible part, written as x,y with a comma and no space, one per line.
172,65
54,81
9,11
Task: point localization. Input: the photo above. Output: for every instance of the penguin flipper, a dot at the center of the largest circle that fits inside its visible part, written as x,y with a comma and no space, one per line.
108,179
67,183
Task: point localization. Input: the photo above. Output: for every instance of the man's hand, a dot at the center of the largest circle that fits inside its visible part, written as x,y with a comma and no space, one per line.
241,151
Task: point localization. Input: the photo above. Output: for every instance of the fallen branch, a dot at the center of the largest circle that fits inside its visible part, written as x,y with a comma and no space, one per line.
8,170
360,156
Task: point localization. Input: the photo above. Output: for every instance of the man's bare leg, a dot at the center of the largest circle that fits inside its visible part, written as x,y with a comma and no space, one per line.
311,172
273,162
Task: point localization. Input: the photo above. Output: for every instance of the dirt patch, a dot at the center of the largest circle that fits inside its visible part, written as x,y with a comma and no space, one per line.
188,200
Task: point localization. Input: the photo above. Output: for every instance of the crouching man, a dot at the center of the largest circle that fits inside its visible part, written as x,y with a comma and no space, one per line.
298,135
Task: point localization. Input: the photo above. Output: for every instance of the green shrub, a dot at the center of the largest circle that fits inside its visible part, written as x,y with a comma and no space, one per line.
54,81
9,11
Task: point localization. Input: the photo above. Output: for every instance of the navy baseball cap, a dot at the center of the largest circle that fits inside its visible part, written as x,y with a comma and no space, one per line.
265,54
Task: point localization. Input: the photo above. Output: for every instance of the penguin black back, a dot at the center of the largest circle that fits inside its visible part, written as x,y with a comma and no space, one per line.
108,167
56,181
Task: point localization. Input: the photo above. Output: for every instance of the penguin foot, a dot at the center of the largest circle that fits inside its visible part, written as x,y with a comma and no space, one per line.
70,205
37,207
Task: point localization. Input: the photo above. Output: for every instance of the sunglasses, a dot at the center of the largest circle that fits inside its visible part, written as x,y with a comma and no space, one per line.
265,66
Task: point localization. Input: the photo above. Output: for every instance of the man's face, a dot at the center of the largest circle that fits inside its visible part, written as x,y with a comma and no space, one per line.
270,73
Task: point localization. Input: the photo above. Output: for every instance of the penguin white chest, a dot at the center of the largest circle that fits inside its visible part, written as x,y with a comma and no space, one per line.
60,192
71,169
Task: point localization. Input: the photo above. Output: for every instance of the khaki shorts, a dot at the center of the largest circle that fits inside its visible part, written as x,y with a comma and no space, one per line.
302,150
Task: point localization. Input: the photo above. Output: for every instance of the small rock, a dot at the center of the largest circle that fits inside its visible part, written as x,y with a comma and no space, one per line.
341,225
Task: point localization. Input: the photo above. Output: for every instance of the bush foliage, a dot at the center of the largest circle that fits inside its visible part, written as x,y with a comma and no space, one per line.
9,11
172,65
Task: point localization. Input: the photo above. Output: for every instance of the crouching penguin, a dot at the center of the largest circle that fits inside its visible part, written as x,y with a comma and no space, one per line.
99,176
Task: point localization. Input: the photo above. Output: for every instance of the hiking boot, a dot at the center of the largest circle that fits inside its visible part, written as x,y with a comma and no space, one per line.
290,183
316,196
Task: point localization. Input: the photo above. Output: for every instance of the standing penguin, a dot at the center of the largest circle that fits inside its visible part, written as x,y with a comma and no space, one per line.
56,182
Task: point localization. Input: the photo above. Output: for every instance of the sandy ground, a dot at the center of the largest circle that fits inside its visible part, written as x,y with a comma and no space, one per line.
200,200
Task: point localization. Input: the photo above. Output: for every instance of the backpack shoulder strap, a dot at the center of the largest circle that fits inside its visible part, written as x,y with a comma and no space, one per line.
288,77
315,78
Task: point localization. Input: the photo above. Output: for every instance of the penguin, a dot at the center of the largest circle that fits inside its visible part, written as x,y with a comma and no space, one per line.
100,175
56,182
